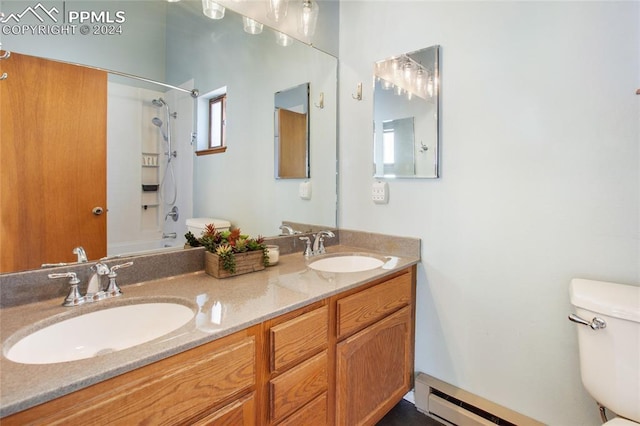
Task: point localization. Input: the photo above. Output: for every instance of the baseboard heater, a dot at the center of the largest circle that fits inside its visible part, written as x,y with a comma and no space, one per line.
456,407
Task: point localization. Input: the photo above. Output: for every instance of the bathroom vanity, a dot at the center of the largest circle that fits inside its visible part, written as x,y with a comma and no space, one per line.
288,345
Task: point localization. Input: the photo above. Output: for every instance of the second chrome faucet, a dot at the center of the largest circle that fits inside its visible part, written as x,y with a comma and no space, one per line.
318,243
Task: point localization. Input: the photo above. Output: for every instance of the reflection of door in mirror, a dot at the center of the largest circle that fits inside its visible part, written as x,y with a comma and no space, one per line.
292,132
53,162
292,155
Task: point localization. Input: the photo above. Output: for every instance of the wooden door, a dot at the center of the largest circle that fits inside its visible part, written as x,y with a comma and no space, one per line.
53,133
374,370
292,144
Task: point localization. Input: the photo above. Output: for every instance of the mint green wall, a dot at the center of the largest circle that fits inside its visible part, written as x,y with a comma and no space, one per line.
540,183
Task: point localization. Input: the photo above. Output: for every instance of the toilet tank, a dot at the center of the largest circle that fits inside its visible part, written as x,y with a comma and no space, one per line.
196,225
610,356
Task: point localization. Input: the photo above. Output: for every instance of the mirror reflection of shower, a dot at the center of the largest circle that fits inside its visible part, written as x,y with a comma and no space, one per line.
165,130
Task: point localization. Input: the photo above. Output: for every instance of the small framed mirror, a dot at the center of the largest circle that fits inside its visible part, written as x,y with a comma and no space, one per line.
291,128
406,115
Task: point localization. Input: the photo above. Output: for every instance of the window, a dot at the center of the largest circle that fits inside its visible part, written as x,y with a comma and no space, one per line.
216,126
388,146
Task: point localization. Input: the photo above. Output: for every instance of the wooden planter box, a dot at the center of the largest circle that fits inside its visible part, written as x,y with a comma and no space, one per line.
250,261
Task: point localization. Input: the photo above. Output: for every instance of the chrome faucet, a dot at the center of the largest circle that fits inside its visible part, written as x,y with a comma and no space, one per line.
82,255
289,230
79,251
318,242
95,290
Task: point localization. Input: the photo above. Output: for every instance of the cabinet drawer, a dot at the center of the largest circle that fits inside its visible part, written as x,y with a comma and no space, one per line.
295,388
166,392
297,339
238,413
312,414
368,306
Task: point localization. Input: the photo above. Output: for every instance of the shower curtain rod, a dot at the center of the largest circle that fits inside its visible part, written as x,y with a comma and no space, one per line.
194,92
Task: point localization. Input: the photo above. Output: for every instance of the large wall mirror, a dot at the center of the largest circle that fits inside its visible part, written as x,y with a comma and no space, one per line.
406,115
177,44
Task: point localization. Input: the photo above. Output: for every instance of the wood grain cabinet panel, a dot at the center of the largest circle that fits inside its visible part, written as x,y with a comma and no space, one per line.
299,338
238,413
374,369
361,309
312,414
292,390
170,391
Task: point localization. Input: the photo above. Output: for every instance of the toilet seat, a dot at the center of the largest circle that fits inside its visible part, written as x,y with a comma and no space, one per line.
619,421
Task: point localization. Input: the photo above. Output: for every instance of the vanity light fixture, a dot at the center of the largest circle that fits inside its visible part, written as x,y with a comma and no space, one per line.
251,26
277,9
212,9
406,76
283,40
308,18
173,1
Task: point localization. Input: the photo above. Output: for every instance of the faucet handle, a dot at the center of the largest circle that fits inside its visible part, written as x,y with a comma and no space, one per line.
73,298
112,289
114,268
307,249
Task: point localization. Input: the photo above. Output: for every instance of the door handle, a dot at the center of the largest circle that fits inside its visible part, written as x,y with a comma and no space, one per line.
97,211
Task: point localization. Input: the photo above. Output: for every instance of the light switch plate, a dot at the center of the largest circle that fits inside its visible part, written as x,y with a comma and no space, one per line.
380,192
305,190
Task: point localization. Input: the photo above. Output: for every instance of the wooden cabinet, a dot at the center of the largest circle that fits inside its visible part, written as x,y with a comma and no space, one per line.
298,365
181,389
344,360
374,366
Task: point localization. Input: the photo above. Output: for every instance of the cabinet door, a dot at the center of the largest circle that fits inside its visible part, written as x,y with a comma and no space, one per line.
374,370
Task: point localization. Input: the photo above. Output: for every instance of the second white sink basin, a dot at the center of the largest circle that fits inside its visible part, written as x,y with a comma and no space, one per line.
346,263
99,332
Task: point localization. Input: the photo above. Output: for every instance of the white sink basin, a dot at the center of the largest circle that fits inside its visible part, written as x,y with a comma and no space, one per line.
346,263
99,332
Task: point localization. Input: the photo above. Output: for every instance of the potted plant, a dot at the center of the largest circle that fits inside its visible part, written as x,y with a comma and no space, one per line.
230,253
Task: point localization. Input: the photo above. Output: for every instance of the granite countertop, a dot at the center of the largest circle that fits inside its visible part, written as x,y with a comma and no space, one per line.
239,302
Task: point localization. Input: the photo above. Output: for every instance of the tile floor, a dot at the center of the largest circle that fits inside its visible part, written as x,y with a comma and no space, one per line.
406,414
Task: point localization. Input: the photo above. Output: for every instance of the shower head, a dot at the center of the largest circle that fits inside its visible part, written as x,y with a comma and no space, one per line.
158,123
159,102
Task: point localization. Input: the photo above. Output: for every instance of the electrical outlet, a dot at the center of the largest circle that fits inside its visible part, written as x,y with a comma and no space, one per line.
380,192
305,190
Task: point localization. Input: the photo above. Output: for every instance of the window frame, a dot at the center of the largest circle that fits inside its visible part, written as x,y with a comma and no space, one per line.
222,100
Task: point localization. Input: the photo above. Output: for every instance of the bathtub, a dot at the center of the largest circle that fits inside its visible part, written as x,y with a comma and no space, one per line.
145,247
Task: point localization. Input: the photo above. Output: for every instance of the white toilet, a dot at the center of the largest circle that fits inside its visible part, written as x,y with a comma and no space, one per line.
196,225
609,344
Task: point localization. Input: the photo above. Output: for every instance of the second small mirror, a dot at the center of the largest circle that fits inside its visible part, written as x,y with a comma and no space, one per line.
291,131
406,114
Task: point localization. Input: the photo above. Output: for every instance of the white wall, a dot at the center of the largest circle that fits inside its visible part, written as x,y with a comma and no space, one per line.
540,183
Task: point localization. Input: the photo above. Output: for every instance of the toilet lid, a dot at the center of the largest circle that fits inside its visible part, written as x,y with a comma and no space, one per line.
619,421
